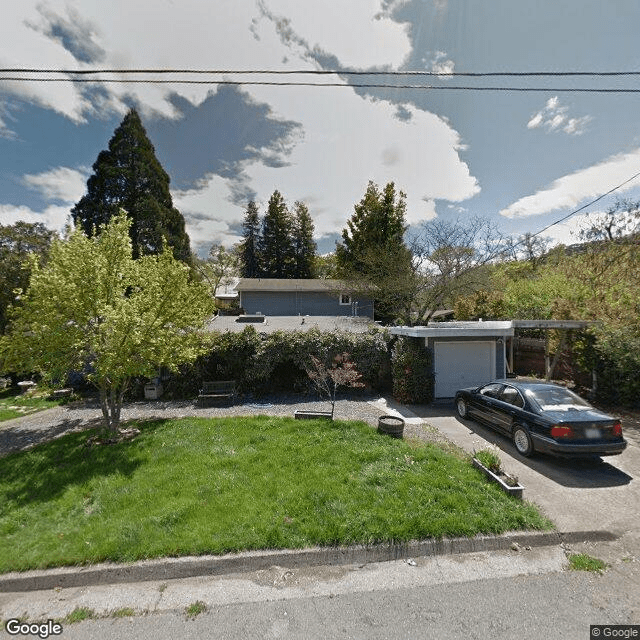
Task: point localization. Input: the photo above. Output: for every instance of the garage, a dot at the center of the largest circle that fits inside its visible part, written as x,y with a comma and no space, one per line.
461,363
465,354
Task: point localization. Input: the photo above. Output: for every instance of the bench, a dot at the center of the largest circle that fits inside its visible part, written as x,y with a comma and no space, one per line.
216,393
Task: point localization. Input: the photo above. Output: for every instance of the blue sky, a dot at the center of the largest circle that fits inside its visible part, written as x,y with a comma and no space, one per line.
523,160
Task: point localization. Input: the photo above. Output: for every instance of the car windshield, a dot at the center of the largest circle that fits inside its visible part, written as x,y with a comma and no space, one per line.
557,399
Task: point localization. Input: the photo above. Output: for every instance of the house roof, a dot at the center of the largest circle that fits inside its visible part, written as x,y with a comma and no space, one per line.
474,329
270,324
291,284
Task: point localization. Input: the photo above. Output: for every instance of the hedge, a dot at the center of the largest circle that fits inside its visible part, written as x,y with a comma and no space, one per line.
275,362
411,369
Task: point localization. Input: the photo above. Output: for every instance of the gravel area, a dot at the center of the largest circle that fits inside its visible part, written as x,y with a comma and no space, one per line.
21,433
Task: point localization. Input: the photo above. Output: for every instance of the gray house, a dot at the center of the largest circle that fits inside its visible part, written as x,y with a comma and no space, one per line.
295,297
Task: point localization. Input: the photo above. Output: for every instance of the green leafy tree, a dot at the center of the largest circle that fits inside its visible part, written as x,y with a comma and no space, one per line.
277,249
303,243
18,242
92,305
249,248
129,176
220,267
373,252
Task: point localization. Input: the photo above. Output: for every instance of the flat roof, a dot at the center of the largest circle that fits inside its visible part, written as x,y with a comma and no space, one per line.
471,329
291,284
355,324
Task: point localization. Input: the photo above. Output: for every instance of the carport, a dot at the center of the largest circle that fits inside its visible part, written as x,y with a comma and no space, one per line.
465,354
468,354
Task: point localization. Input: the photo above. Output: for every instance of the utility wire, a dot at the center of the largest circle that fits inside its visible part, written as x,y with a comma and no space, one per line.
324,84
342,72
633,177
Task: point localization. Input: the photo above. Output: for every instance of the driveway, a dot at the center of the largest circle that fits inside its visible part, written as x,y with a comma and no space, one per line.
578,495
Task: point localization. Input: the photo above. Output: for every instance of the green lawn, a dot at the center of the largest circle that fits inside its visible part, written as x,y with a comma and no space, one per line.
195,486
13,404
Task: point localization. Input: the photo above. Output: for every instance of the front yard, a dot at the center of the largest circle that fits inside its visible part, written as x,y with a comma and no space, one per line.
14,404
197,486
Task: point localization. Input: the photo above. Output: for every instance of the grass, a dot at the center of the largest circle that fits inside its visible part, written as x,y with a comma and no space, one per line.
14,404
79,614
585,562
195,609
124,612
198,486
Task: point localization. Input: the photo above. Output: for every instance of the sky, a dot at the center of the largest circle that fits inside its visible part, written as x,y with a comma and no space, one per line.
524,160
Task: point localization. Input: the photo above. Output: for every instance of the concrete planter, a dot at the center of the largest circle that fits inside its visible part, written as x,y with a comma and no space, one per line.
500,478
313,415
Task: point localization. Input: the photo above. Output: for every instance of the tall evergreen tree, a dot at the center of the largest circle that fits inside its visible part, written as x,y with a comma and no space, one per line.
303,243
373,252
276,243
377,224
250,246
129,176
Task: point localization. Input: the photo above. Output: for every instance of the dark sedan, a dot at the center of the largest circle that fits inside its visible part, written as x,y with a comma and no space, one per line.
543,417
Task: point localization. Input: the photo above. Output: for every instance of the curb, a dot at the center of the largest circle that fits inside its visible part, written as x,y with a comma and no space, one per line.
191,566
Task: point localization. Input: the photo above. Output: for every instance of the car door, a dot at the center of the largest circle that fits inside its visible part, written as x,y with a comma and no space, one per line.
509,404
484,403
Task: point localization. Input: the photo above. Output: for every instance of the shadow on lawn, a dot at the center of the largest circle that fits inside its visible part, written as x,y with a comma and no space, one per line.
41,474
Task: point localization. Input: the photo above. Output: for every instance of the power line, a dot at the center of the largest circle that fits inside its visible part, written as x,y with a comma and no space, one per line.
583,207
342,72
424,87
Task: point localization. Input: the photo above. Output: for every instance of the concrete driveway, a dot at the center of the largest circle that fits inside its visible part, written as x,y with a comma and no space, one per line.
578,495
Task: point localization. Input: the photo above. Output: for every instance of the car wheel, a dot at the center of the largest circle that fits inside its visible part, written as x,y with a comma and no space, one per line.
461,406
522,440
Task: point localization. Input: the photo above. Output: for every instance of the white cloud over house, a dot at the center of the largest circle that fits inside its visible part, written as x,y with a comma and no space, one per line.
569,191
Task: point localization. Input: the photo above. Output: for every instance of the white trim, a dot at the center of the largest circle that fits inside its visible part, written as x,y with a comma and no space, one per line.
345,295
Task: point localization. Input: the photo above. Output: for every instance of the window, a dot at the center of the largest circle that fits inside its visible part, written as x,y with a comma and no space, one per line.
511,395
345,298
491,390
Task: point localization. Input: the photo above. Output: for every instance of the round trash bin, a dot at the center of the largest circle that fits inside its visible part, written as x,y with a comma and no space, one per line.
391,425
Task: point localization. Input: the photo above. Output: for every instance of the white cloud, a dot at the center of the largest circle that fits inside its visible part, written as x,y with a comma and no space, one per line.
569,191
53,217
348,139
61,183
554,116
346,145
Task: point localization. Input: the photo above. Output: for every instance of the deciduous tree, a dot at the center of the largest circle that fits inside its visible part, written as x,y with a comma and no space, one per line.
92,306
17,242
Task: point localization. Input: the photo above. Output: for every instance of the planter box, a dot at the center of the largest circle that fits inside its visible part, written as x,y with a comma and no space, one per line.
313,415
515,491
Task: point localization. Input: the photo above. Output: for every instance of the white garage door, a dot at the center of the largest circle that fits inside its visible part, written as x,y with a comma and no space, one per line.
462,364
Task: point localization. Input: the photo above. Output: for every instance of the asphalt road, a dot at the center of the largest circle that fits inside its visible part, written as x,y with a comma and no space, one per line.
554,604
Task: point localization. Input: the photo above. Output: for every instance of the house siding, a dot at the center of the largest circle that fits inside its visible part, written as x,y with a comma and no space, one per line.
293,303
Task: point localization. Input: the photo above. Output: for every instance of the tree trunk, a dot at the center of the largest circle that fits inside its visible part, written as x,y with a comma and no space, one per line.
111,400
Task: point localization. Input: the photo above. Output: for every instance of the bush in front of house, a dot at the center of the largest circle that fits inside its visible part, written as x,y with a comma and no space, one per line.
276,362
411,370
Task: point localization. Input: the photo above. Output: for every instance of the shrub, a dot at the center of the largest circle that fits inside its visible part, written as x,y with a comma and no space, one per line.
412,372
276,362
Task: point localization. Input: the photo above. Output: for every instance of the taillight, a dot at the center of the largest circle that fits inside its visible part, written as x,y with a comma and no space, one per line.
616,430
561,432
